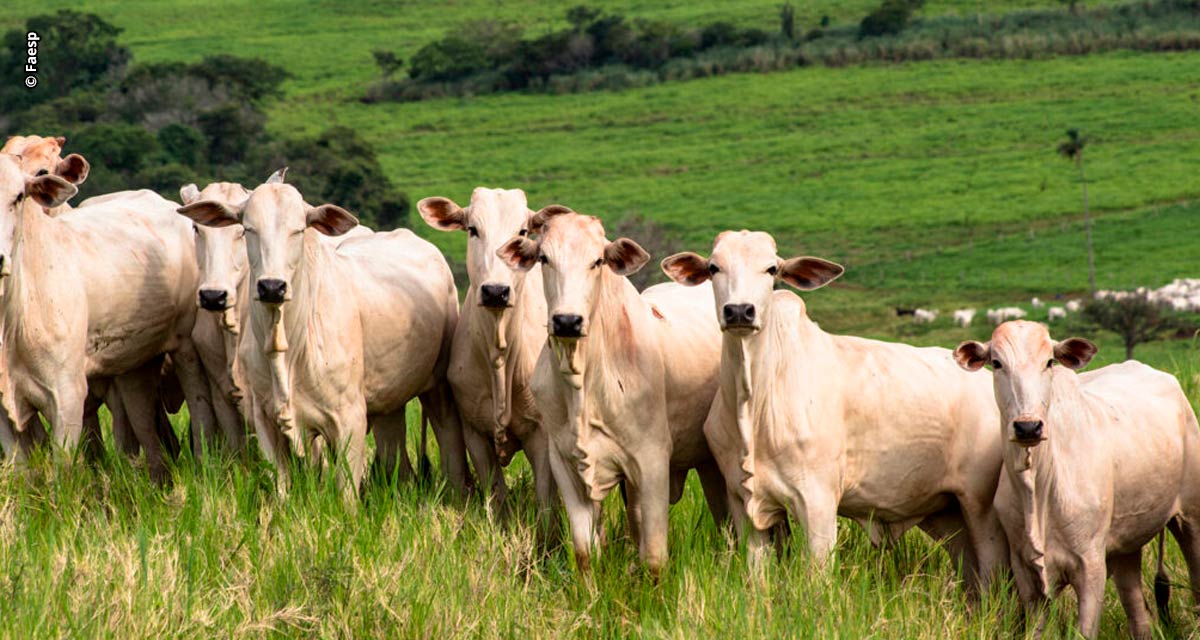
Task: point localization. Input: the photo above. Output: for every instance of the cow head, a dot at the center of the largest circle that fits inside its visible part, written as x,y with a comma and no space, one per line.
220,250
1024,362
39,155
494,216
275,219
574,253
743,269
19,189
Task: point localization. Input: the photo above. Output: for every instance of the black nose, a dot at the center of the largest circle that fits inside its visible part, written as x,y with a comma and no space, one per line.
739,315
271,290
494,295
1028,430
213,300
567,325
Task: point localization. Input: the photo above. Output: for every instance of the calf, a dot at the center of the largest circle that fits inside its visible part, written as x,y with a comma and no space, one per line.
820,425
1095,465
496,345
624,381
339,335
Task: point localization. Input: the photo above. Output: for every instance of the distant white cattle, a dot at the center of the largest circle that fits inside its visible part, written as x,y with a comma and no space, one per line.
1054,314
1036,302
924,316
1074,306
964,317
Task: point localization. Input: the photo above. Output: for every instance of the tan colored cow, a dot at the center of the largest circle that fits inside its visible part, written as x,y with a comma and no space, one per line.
1095,465
822,425
496,345
93,295
340,333
624,382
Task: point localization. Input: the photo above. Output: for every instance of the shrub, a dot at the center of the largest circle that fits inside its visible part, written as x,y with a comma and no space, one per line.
889,18
450,58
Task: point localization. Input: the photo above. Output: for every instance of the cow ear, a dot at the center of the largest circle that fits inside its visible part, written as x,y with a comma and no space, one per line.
807,274
540,218
73,169
49,190
1075,353
972,355
331,219
442,214
61,140
686,268
520,253
277,177
625,257
210,213
189,193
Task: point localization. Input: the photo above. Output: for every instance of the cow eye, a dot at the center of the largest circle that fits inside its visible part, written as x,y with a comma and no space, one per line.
996,364
543,259
523,232
772,270
1050,363
712,268
597,263
195,229
42,172
473,232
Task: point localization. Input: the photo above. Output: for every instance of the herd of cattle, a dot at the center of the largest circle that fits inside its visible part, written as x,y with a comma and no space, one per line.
315,330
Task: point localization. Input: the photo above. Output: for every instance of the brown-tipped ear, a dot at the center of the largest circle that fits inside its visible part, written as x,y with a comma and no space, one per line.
210,213
331,219
49,190
625,257
189,193
539,219
442,214
687,268
61,140
73,169
520,253
277,177
807,274
1075,353
972,355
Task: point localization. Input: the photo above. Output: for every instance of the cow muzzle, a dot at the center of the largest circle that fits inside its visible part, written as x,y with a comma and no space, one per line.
739,317
1028,432
272,291
566,325
495,296
214,299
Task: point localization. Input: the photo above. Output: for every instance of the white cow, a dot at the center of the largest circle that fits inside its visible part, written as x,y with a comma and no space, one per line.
1054,314
924,316
500,334
1074,306
964,317
78,313
624,382
339,335
820,425
1036,302
1095,465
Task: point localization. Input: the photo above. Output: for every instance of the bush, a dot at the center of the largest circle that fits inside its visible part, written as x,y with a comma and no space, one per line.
889,18
450,58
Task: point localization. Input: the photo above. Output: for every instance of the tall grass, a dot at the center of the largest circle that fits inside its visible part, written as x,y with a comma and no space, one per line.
97,551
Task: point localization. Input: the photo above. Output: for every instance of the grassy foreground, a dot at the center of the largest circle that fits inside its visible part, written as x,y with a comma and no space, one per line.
96,551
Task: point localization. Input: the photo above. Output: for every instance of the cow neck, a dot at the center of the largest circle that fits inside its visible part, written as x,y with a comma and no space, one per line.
776,355
282,329
34,288
1035,473
502,341
585,364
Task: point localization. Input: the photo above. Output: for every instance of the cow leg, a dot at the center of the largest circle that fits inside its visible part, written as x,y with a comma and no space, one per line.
352,452
1088,582
391,453
1187,535
713,484
653,486
142,409
1127,574
816,509
438,404
123,436
537,451
64,409
950,529
988,542
487,468
228,417
582,513
273,444
633,510
195,390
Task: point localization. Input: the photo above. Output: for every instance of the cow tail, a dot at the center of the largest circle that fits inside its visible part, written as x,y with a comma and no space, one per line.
1162,586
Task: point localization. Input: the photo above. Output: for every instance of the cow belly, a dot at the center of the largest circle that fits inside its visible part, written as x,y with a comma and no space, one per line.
117,348
898,483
